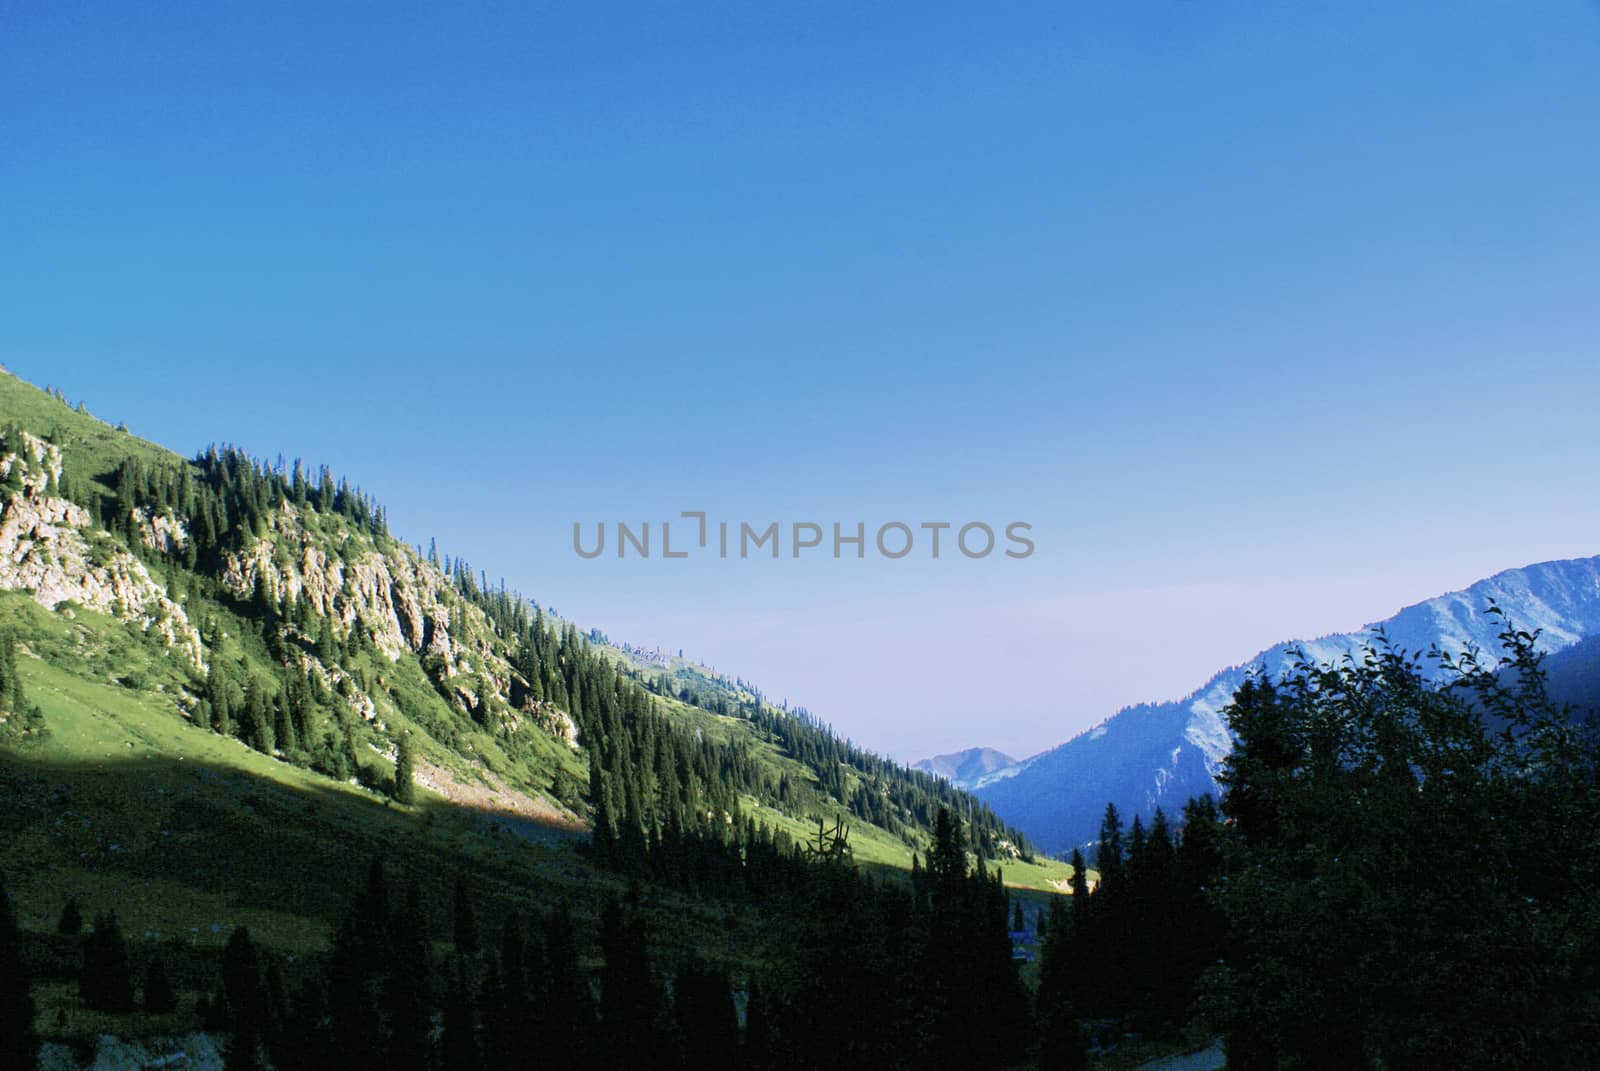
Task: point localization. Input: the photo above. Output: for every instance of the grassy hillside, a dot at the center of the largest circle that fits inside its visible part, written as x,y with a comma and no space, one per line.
224,660
186,834
293,585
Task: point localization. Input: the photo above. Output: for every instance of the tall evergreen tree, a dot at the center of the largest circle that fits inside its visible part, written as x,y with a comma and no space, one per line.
706,1019
71,922
19,1044
217,700
405,988
567,1018
405,789
157,995
459,1048
106,982
630,1000
246,1000
466,922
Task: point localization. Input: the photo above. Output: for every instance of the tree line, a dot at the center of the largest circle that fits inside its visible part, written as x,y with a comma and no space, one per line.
653,775
1400,874
859,971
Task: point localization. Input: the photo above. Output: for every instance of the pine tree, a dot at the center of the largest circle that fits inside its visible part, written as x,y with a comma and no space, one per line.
19,1044
284,731
158,997
706,1020
71,922
256,726
217,695
756,1050
458,1042
466,923
327,645
567,1020
1062,1044
246,1000
629,998
405,790
106,983
405,988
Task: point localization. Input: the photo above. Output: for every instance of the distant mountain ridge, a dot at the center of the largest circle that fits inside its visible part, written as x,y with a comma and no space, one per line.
1160,754
966,768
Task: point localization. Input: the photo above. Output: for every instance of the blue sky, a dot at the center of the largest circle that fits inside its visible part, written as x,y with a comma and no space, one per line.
1269,318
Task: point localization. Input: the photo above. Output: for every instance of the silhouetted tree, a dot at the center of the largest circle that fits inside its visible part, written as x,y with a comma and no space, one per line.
630,1000
158,997
19,1044
466,922
246,1001
106,983
71,922
706,1020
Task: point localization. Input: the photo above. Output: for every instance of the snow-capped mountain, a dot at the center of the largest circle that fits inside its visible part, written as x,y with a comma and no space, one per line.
1160,754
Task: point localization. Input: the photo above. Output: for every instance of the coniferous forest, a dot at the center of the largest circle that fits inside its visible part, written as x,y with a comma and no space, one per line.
1398,873
799,537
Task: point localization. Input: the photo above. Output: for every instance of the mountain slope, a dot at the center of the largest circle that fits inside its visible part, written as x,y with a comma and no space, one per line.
1572,678
966,768
1160,754
270,605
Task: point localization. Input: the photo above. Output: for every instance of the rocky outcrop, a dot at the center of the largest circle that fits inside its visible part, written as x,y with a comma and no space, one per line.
161,533
402,602
49,549
405,603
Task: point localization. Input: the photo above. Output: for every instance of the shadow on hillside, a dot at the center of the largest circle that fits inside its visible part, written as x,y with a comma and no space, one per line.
186,851
161,837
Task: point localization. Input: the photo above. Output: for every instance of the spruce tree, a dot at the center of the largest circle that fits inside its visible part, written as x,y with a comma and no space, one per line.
405,790
567,1014
19,1044
247,1004
756,1049
256,726
106,981
217,695
629,998
458,1041
466,922
71,922
158,997
706,1020
405,988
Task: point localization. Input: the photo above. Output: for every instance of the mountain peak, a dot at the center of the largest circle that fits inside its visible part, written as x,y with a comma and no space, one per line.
965,768
1160,754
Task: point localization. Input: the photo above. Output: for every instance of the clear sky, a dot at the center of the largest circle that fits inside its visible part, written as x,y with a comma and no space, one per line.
1270,318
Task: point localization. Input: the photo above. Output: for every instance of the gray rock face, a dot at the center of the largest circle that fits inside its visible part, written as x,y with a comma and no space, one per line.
49,549
1161,754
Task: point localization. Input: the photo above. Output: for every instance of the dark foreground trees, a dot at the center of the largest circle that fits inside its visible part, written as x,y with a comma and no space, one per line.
106,982
1411,870
857,973
1403,873
19,1045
